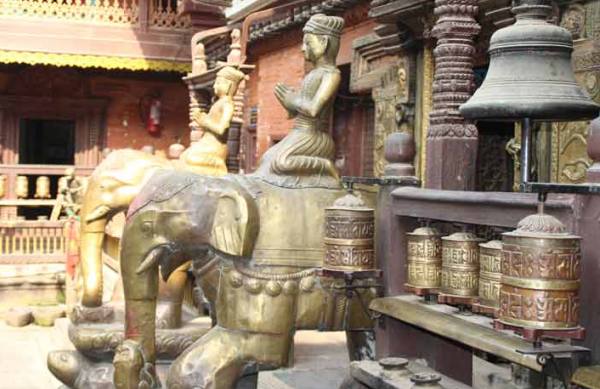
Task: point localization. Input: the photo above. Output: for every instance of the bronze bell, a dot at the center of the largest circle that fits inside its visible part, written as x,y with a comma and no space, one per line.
530,73
349,235
460,264
424,258
540,275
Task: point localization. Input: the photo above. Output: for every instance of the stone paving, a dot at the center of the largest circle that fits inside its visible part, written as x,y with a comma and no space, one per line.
321,361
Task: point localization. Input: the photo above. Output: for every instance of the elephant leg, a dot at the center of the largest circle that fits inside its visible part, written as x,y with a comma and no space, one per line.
170,298
140,287
222,356
360,344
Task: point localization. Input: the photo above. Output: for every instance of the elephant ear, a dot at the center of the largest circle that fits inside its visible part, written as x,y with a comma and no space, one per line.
235,224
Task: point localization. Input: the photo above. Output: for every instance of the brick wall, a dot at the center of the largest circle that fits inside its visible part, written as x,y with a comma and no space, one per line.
128,101
125,93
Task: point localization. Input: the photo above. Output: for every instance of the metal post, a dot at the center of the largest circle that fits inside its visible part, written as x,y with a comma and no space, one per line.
525,150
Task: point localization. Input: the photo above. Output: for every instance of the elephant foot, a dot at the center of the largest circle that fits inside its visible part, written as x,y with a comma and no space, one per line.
77,372
168,315
132,370
220,358
102,314
360,345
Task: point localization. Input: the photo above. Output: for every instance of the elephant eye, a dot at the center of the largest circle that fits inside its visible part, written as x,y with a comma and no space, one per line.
146,228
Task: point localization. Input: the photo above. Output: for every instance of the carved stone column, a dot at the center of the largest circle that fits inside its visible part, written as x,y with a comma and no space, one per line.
451,141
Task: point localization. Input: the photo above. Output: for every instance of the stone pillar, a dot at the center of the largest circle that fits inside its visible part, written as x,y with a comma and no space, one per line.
451,141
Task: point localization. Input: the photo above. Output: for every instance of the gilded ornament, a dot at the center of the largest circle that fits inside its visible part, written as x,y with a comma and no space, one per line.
236,279
307,284
253,285
290,287
273,288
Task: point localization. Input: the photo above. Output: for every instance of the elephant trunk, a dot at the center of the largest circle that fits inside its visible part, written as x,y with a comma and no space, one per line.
92,238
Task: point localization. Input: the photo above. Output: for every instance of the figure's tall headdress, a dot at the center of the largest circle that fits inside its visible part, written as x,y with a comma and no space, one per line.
322,24
232,74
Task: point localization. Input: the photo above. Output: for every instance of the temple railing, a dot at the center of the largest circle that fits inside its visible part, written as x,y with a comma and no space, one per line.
136,13
32,241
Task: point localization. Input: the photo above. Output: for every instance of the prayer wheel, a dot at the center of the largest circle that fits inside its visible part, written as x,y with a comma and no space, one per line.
349,233
22,187
424,258
460,264
2,186
490,273
540,275
42,188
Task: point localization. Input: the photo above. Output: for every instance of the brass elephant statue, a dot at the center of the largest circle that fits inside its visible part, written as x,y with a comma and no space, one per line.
258,238
268,242
112,187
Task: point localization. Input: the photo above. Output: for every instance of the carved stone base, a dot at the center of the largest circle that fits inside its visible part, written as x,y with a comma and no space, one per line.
99,341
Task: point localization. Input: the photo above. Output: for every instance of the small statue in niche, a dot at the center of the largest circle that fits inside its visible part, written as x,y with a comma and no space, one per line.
208,154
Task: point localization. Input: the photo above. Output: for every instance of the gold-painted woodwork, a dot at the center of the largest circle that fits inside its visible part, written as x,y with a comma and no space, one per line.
93,61
426,104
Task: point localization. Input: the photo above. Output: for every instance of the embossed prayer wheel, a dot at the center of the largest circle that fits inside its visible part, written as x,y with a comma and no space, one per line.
349,233
22,187
42,188
424,258
490,273
460,264
540,275
2,186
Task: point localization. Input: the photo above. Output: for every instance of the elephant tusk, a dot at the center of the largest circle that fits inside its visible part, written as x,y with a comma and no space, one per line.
98,212
151,259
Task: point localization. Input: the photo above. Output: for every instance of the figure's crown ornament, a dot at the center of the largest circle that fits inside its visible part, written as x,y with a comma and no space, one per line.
321,24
